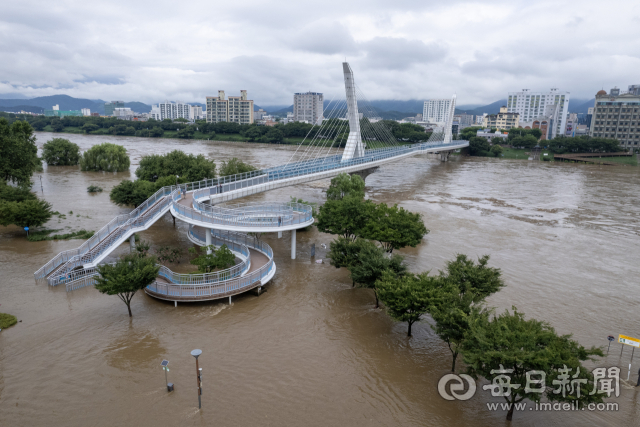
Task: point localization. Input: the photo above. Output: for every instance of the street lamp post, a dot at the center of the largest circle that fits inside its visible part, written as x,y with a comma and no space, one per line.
196,353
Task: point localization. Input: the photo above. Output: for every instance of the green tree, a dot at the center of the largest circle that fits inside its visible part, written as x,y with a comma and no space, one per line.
132,192
407,298
218,258
273,136
464,285
344,252
372,262
9,193
235,166
57,126
520,346
28,213
345,185
478,146
105,157
18,152
187,132
469,132
60,152
346,217
394,227
188,166
496,150
129,275
90,127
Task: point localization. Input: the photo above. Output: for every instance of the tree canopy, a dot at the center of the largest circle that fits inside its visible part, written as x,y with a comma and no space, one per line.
515,347
583,144
60,152
345,185
372,263
463,287
105,157
129,274
187,166
394,227
219,258
406,298
346,217
18,152
235,166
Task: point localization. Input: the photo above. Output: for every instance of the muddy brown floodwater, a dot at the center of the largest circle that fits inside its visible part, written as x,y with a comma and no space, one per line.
312,351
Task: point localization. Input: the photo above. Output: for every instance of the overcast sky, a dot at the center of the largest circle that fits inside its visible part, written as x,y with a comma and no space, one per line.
153,50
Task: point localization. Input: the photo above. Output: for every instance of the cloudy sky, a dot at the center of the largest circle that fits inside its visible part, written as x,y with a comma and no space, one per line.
153,50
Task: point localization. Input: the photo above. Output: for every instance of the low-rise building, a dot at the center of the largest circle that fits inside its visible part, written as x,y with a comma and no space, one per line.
496,137
617,115
502,120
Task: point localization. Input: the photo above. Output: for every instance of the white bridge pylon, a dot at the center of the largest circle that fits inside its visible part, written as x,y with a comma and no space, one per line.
354,146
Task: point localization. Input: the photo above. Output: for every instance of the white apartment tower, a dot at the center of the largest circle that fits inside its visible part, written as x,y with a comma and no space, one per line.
534,105
308,107
236,109
436,110
170,110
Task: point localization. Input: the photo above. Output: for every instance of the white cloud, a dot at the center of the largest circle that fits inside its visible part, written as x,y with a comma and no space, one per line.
154,50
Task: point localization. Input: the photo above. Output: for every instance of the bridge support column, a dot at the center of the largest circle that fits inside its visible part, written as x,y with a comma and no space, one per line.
444,156
293,244
208,238
279,234
365,172
175,303
132,242
229,299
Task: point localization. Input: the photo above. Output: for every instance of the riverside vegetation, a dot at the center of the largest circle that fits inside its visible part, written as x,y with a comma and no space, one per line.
455,299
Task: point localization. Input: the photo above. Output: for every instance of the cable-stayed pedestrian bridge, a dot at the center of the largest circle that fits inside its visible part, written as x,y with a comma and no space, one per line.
343,141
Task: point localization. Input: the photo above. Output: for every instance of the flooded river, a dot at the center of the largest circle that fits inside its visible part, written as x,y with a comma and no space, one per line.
312,351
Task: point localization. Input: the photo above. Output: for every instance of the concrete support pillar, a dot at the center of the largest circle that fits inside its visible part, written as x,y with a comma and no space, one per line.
176,303
279,234
208,239
229,299
132,242
293,244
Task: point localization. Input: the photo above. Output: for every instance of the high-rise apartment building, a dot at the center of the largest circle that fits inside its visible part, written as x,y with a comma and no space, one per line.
236,109
533,106
196,112
308,107
617,116
110,106
170,110
436,110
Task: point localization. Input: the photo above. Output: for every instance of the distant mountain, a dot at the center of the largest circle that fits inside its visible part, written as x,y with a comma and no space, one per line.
138,107
492,108
580,106
65,102
273,108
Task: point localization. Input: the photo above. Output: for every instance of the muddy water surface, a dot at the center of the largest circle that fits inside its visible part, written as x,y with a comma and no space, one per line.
312,350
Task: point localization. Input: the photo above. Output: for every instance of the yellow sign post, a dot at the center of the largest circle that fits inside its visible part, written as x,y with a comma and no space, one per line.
623,339
633,342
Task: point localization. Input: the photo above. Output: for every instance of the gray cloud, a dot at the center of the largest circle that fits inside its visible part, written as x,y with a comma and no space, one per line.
151,51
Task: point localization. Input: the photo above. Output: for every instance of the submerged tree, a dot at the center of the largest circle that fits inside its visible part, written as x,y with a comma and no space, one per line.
130,274
408,297
532,360
60,152
105,157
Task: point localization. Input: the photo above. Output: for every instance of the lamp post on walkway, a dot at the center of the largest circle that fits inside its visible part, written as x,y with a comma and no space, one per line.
195,353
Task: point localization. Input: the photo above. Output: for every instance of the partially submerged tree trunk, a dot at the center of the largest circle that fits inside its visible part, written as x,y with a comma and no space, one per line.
409,331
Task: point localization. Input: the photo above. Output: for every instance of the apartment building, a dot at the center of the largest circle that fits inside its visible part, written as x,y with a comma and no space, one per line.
503,120
308,107
170,110
436,110
534,106
235,109
617,115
